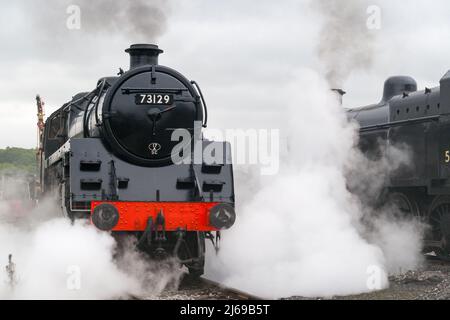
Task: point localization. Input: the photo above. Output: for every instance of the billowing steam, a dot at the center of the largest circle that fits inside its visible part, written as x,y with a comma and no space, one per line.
303,233
346,44
137,19
54,259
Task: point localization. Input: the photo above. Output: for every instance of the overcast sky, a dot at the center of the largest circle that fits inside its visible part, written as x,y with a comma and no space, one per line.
241,53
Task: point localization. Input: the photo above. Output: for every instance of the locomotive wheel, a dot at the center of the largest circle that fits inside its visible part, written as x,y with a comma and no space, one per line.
439,220
406,204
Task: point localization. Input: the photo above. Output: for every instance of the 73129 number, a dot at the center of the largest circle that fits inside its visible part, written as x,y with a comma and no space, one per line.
154,99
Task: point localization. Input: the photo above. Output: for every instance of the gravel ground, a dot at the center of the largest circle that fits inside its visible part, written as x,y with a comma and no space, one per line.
432,282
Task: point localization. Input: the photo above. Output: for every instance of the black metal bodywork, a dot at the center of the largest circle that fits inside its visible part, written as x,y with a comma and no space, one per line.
103,146
419,121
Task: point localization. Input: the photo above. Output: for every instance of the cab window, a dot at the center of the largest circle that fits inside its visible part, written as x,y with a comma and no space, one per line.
55,129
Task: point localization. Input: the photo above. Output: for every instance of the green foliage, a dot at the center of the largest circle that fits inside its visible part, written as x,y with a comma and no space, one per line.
18,160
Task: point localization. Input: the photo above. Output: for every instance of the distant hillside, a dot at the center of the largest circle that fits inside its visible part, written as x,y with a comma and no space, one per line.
17,159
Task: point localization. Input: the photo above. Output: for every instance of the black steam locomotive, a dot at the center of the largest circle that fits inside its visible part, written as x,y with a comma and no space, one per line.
419,120
110,156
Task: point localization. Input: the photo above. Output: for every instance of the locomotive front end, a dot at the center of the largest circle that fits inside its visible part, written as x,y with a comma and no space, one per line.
130,161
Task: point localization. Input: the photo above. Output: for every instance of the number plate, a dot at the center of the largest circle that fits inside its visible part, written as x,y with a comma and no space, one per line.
160,99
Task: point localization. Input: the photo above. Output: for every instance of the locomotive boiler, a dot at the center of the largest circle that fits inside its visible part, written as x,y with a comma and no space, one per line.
419,121
109,155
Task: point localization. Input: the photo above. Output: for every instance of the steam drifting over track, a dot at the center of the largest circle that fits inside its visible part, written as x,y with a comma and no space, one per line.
200,289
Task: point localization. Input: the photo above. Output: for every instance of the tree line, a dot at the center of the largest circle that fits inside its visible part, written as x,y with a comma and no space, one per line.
18,160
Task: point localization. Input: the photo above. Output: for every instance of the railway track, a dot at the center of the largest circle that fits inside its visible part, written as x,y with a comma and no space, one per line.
231,292
437,258
199,289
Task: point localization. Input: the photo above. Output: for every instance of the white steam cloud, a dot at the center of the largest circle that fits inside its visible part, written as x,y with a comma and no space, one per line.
302,232
57,260
346,44
137,20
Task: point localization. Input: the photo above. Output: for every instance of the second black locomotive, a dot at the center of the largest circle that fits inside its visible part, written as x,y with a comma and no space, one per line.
419,120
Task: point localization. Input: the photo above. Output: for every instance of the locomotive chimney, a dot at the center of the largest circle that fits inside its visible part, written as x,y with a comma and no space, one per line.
340,94
143,54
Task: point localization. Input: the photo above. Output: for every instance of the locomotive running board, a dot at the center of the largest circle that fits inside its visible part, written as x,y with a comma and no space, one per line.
399,123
